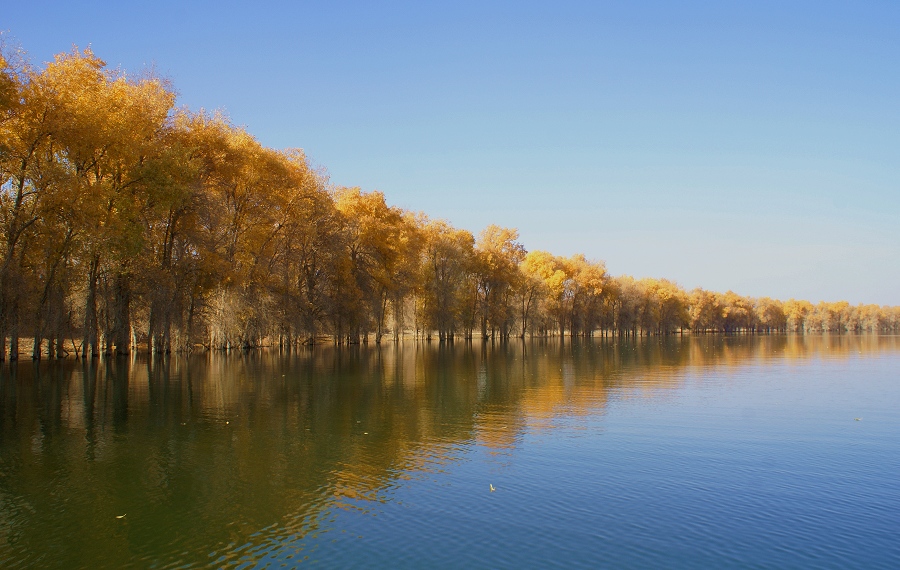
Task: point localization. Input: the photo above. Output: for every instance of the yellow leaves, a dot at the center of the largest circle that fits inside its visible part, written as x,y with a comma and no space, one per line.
591,277
104,159
575,287
543,264
501,246
9,87
445,266
103,124
375,230
498,255
566,276
556,282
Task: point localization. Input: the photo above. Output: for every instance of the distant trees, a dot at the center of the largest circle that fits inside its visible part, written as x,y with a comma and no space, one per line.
445,294
496,259
125,222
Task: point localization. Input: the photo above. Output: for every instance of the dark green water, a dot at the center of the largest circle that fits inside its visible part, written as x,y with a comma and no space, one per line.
706,452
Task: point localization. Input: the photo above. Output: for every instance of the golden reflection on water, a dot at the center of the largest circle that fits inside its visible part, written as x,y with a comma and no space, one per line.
208,450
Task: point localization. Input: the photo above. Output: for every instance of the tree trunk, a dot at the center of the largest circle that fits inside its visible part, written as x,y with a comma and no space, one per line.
14,343
122,317
91,332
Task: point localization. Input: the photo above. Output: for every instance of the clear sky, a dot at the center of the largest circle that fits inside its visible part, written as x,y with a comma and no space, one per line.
752,146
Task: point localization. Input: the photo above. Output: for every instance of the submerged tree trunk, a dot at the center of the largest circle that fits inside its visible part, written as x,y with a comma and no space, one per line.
37,347
91,329
14,343
122,316
189,326
379,331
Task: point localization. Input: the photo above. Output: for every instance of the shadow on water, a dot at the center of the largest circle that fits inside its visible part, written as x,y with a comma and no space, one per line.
198,454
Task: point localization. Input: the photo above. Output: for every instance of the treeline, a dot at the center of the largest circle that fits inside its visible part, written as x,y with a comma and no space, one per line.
127,222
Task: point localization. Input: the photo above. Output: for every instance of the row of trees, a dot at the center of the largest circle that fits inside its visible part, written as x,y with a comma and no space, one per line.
127,222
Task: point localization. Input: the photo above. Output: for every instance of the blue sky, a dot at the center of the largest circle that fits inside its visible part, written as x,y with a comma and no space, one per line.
752,146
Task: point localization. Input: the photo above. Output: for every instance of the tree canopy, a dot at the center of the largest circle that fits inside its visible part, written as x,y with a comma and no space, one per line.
127,222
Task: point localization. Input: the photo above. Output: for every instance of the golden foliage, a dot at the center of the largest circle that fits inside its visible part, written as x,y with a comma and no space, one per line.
125,220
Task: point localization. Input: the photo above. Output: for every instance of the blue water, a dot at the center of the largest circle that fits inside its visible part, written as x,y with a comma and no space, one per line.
773,452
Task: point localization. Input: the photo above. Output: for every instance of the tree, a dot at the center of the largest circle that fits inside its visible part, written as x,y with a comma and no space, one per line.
770,314
107,135
496,269
796,313
446,264
706,311
588,283
379,239
309,250
556,286
737,313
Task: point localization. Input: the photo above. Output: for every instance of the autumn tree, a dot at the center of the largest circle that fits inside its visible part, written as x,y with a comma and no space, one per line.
627,305
124,222
587,287
379,241
308,250
706,311
25,127
737,313
497,257
796,313
446,265
770,314
556,286
530,293
107,136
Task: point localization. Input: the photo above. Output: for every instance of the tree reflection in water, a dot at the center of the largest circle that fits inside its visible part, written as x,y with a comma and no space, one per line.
204,453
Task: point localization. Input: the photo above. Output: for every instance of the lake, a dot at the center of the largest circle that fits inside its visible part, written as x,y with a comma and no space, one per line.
676,452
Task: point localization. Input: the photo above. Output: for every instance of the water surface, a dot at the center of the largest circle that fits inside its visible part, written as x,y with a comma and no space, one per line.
744,452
